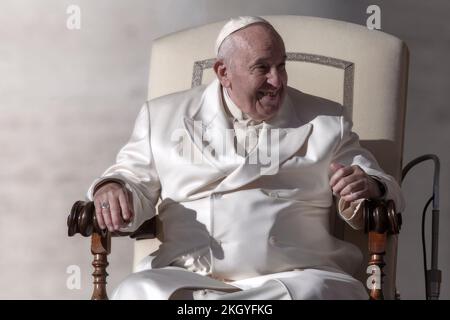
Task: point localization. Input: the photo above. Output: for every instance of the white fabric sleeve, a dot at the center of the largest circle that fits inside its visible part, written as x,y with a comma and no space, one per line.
349,152
136,169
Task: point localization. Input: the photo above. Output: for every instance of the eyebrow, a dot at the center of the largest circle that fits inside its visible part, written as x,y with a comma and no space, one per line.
262,60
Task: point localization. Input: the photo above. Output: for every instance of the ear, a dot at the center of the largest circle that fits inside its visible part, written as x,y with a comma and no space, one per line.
221,71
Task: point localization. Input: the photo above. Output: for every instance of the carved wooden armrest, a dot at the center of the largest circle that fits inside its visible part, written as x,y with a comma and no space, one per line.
82,220
380,220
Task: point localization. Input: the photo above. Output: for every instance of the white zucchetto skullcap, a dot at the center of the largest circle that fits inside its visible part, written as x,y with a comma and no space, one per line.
234,25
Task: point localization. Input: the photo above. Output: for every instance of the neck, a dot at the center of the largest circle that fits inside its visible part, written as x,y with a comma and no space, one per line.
231,107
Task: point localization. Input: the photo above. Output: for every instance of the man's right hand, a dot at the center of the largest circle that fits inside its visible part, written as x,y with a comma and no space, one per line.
113,206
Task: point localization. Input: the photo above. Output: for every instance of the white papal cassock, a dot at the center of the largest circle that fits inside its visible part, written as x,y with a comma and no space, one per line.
257,221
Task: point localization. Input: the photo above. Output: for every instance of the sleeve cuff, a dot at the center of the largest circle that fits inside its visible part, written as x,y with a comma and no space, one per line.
352,213
104,181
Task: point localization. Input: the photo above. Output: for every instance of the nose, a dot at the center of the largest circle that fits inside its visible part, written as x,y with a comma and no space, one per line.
274,77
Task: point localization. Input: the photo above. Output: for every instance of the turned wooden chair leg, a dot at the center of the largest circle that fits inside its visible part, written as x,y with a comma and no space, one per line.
100,248
381,219
377,250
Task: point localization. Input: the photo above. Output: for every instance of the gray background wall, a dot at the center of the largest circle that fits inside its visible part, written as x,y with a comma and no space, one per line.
68,100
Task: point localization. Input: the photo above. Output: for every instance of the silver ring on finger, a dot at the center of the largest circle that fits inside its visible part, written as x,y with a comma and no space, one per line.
104,205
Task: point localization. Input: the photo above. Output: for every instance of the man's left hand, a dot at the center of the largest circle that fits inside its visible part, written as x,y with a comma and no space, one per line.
352,183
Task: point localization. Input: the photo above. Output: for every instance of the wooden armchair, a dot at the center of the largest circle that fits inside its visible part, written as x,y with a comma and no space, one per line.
380,218
364,70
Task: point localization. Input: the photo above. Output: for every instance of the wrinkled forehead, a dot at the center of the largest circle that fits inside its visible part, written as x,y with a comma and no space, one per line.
258,42
258,34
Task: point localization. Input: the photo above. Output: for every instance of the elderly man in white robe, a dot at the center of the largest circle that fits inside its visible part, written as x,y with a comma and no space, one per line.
246,169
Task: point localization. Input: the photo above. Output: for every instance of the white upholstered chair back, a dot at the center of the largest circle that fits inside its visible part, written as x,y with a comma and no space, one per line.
364,70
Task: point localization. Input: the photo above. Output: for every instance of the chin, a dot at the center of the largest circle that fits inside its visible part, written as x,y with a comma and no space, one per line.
270,113
272,109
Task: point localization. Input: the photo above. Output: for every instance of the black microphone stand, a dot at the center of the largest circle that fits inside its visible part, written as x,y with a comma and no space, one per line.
433,276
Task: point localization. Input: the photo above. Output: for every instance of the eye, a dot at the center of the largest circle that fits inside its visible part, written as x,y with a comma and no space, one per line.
261,67
282,66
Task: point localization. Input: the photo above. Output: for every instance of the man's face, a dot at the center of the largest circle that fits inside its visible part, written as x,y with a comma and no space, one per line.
257,77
